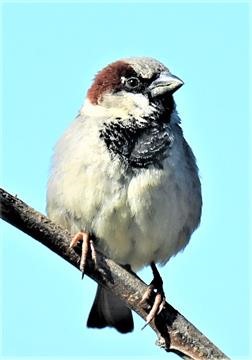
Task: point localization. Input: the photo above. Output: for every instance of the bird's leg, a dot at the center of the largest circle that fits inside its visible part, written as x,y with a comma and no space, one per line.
87,247
156,288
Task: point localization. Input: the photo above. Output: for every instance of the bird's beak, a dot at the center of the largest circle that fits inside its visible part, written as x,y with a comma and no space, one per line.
165,83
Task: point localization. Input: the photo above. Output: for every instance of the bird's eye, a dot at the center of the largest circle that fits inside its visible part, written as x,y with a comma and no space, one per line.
132,83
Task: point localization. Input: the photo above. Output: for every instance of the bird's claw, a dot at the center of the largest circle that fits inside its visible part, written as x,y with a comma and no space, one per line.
156,288
86,247
156,309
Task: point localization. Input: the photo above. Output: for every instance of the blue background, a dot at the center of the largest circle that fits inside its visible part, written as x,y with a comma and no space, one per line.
51,52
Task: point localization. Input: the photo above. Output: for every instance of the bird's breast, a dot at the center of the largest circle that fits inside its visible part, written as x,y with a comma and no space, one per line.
138,146
138,216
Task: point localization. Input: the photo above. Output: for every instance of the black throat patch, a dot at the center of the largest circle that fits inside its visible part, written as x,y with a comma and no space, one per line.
138,144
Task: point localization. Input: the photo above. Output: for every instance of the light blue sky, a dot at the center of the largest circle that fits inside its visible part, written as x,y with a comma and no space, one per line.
51,53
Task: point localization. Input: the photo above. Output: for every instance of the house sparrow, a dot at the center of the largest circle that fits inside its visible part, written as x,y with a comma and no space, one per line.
124,175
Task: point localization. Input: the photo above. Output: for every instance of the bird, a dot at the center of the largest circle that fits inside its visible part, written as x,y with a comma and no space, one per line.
123,178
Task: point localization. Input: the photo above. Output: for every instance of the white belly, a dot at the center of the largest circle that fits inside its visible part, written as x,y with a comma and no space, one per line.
150,219
141,217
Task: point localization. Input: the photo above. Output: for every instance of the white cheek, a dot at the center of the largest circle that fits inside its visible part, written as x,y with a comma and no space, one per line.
139,100
123,104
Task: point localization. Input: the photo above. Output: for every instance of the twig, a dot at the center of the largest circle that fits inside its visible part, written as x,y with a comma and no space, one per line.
175,333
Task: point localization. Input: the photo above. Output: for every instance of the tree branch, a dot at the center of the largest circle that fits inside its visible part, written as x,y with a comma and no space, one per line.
175,333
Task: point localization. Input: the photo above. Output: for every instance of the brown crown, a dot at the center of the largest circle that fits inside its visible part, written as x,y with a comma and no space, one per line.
108,80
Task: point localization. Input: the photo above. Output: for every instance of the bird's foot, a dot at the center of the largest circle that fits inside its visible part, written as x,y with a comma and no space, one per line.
155,289
87,247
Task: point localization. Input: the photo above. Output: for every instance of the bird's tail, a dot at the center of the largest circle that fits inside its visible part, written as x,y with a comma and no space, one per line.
109,310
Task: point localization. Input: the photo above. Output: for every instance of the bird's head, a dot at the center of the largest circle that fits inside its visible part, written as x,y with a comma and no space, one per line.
134,87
